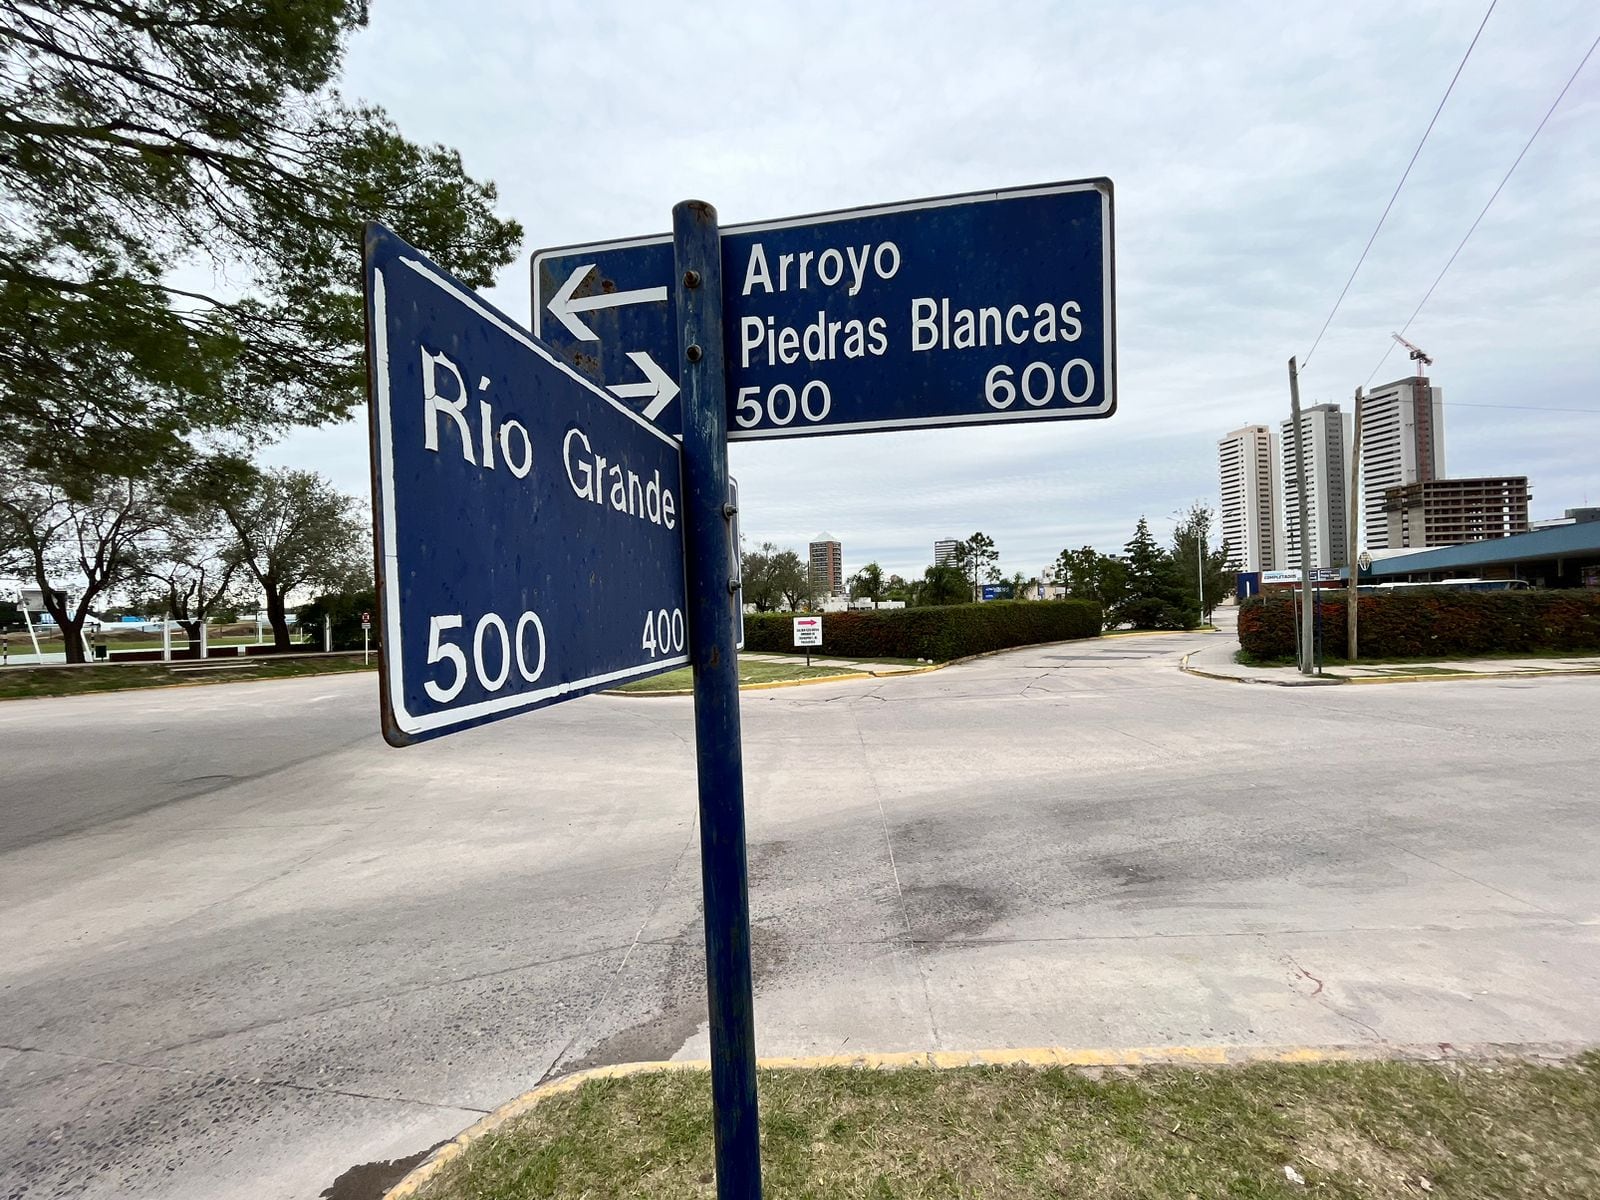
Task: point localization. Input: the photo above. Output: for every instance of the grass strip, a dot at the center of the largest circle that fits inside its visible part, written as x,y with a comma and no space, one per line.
749,672
1346,1130
23,683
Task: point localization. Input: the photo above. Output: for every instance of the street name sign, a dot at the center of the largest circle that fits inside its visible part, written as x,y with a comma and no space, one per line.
808,631
962,310
529,524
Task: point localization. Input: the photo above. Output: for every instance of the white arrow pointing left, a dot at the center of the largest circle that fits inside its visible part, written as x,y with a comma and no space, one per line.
565,308
658,386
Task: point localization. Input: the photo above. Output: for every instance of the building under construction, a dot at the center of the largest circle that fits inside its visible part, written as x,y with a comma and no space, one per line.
1449,512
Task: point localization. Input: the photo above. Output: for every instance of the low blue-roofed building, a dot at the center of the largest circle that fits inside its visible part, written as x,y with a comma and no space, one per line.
1560,556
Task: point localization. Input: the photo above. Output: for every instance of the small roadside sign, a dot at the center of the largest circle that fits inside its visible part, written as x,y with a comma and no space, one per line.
983,308
529,525
366,620
808,631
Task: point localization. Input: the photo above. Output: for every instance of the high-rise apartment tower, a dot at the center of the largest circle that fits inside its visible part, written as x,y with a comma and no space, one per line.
827,565
1322,428
1251,498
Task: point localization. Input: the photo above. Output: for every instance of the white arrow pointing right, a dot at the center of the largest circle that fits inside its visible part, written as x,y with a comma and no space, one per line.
657,385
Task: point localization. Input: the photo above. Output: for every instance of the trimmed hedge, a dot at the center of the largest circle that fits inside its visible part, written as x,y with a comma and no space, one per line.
1433,622
939,633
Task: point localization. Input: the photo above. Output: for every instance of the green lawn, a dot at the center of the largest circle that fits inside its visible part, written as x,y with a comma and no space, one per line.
20,683
1348,1131
749,672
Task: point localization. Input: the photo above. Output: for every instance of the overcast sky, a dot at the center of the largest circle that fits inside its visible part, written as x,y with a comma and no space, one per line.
1252,148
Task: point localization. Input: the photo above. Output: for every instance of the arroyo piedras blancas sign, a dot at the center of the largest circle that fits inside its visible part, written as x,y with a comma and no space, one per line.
962,310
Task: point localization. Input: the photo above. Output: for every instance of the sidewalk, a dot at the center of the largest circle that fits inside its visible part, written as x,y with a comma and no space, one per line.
1215,661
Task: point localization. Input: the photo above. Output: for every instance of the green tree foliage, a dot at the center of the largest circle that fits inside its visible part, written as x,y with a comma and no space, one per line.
138,137
75,546
897,588
342,610
946,584
868,583
1196,557
186,565
978,561
760,584
291,529
793,579
1089,575
1156,597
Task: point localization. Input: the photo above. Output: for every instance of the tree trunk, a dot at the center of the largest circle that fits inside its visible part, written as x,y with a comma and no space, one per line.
70,624
277,618
191,630
72,633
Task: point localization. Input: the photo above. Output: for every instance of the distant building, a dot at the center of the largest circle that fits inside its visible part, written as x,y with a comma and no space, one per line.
944,552
1251,498
1402,442
1322,433
1448,512
827,565
1574,516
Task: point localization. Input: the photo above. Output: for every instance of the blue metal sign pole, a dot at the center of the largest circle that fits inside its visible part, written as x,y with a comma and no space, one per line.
708,514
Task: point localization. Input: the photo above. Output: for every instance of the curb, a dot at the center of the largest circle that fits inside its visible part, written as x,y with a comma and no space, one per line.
1331,680
1036,1057
1313,681
1120,633
788,683
1582,671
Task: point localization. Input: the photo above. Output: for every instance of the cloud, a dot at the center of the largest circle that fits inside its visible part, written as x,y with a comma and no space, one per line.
1252,148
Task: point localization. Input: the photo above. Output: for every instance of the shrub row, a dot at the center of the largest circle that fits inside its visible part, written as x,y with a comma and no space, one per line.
938,633
1433,622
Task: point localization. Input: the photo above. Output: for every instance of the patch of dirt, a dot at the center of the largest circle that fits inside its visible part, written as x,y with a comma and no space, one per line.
369,1181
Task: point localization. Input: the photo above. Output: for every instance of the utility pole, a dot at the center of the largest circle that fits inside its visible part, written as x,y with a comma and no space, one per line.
1305,651
1352,601
1200,566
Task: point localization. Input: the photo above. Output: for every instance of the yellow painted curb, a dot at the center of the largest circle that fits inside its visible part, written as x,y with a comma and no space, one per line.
1467,675
939,1060
1155,632
786,683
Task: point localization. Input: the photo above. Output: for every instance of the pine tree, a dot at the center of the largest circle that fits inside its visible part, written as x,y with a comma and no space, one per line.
1156,596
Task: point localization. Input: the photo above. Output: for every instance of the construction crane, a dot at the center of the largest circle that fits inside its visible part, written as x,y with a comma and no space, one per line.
1418,355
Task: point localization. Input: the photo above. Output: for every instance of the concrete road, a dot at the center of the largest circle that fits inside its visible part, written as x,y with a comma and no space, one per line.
250,951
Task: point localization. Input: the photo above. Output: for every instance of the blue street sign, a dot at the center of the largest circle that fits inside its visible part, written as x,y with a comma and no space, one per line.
963,310
530,526
997,591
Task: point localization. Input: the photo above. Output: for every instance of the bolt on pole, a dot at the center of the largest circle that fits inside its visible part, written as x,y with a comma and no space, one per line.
708,537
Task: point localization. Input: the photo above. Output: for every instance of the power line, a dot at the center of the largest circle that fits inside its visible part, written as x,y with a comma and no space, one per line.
1404,175
1593,412
1548,113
